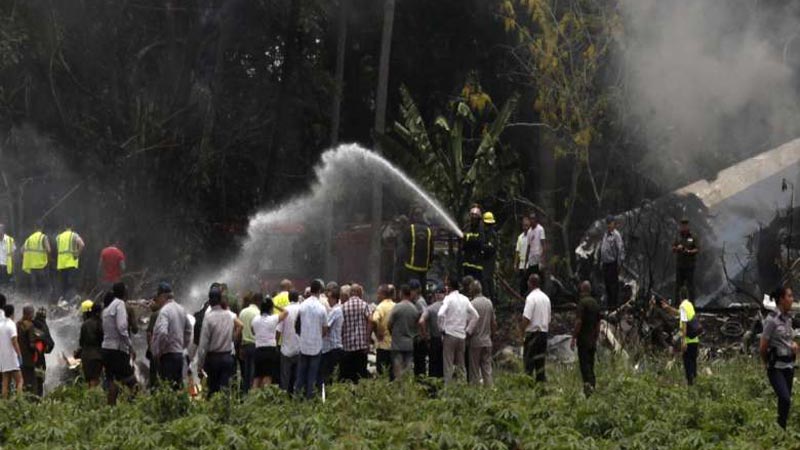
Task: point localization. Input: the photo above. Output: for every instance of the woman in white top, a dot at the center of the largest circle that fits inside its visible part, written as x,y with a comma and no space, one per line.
267,358
9,352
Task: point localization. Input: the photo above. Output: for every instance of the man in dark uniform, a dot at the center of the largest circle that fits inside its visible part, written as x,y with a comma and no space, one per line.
685,247
472,246
418,249
489,254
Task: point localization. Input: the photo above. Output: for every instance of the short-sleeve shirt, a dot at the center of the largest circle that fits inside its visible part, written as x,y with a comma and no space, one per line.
264,329
247,316
689,241
537,311
290,345
522,249
333,340
356,315
589,313
111,264
313,319
403,323
536,237
381,319
8,356
779,335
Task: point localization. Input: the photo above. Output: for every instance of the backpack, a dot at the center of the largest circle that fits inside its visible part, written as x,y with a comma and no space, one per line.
693,328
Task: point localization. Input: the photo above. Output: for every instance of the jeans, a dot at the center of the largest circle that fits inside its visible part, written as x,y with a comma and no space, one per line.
535,354
354,366
307,374
684,276
480,365
170,369
220,368
420,357
781,381
383,361
330,361
690,363
586,356
611,280
247,365
488,280
66,282
436,367
289,372
401,362
453,356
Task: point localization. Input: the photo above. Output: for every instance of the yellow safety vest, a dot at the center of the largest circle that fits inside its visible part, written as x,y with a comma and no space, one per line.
687,305
67,251
419,262
34,255
8,241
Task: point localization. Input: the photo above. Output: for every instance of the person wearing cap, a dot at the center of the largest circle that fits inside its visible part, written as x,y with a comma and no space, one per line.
215,351
416,248
537,248
686,247
472,245
612,253
489,253
90,343
171,337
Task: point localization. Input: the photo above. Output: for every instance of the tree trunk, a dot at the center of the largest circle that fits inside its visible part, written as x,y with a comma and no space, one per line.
570,208
380,128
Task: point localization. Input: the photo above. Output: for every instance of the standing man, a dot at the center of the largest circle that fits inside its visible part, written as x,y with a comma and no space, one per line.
418,247
472,245
26,337
247,351
332,343
356,332
380,318
171,337
587,329
480,338
537,247
69,245
612,253
455,317
215,351
778,351
90,343
403,325
117,348
429,326
489,253
536,323
290,342
420,343
521,255
686,247
690,334
313,327
35,253
110,266
7,250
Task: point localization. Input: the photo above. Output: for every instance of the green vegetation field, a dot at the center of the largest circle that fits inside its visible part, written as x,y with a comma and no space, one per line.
733,408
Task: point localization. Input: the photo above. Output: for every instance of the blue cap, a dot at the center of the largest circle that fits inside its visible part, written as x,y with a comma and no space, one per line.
610,218
414,284
164,288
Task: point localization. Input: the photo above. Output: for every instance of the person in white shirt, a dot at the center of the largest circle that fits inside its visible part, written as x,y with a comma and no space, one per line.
290,342
537,247
455,316
8,250
267,357
521,255
10,354
313,327
536,323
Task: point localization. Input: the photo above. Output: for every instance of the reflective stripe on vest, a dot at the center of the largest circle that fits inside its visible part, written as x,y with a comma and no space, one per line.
472,266
687,305
9,243
412,263
34,255
67,251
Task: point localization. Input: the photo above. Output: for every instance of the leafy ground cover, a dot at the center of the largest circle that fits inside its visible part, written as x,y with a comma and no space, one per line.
731,408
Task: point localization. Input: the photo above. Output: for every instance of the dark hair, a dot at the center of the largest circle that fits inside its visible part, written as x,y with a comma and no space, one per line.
3,300
267,306
9,310
214,296
335,292
120,291
779,293
315,286
214,285
256,299
108,297
391,292
405,291
452,283
294,296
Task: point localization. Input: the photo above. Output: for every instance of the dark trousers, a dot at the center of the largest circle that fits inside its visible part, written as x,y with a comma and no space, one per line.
289,372
66,282
488,280
472,272
690,363
684,276
247,366
307,374
586,356
40,284
354,366
535,354
611,280
781,381
420,357
330,361
220,368
5,278
383,361
523,282
29,379
170,369
436,368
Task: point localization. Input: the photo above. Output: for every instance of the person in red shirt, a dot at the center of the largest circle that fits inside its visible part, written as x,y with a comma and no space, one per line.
111,265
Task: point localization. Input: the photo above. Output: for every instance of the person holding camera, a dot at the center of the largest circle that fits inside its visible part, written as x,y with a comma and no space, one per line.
778,351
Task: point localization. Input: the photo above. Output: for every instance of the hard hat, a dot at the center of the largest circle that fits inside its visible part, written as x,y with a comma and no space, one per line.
86,306
488,217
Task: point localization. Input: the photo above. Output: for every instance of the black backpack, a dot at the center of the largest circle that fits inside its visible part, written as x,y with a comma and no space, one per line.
693,328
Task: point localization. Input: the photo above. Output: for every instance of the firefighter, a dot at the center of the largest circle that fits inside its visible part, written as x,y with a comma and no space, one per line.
7,249
34,261
489,254
69,245
686,247
418,249
472,245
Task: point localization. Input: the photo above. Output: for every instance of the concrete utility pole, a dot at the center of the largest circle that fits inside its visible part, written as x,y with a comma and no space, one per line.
380,128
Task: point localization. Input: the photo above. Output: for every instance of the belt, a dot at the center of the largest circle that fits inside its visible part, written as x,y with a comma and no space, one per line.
219,353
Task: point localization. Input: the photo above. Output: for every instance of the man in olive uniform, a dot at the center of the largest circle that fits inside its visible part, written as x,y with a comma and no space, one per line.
472,246
489,254
417,249
685,247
